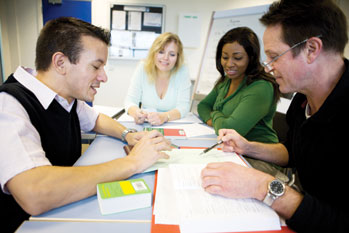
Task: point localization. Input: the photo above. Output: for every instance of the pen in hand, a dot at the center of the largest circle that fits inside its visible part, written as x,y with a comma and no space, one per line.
210,148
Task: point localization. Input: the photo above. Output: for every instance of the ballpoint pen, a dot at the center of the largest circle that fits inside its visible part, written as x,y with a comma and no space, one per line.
210,148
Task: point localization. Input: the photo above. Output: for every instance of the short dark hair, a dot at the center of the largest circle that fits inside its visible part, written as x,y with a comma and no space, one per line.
64,35
249,41
302,19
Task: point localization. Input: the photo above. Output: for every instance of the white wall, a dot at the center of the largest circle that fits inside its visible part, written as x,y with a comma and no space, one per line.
21,21
120,72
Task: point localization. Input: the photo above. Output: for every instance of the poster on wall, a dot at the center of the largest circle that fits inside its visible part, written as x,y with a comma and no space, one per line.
189,29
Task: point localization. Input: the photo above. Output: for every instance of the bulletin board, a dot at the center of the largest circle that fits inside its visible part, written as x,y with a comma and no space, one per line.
221,22
134,28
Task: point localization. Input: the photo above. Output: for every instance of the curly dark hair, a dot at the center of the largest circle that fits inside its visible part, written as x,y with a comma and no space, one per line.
249,40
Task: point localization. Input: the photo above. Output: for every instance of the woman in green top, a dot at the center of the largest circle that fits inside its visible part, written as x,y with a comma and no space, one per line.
245,96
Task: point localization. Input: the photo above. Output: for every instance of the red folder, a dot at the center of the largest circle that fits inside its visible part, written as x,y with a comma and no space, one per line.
169,133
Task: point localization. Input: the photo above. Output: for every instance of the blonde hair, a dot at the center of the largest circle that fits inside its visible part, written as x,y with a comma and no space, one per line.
159,44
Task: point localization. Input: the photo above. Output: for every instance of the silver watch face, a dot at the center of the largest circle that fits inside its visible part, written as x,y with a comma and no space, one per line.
277,188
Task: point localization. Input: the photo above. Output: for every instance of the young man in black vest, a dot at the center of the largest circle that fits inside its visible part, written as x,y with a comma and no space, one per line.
42,114
304,42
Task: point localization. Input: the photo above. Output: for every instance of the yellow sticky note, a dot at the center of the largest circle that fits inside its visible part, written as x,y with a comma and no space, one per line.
127,187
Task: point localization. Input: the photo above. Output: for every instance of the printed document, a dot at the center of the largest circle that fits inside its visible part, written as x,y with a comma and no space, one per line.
181,200
194,156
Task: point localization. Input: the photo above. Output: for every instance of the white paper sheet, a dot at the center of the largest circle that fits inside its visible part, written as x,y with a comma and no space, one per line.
152,19
134,20
189,29
192,156
203,212
165,203
186,176
121,39
193,130
119,20
182,201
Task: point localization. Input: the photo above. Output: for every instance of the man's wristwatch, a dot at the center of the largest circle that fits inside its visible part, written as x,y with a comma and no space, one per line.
125,132
276,189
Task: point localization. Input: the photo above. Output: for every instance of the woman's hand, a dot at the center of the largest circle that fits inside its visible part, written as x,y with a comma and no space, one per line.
157,118
140,116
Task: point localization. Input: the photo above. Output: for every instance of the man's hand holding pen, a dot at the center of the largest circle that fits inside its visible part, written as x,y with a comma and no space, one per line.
233,141
210,148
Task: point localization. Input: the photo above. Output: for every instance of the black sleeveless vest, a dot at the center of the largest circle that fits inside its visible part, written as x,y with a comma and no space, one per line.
60,137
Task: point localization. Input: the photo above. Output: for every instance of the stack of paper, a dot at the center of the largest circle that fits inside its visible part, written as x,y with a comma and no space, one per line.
122,196
180,200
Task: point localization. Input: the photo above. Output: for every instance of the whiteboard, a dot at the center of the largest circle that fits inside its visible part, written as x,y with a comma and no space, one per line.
221,22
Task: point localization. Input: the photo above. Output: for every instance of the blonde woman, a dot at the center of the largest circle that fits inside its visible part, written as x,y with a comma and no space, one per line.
161,83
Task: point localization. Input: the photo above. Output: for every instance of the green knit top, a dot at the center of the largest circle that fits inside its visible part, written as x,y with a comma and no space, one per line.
249,110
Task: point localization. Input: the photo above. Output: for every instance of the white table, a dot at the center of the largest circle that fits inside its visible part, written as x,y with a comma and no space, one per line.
82,227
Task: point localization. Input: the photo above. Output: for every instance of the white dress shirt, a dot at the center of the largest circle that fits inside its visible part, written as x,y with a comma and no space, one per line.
20,142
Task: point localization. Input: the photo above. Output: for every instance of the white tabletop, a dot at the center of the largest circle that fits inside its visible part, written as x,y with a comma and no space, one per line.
82,227
104,149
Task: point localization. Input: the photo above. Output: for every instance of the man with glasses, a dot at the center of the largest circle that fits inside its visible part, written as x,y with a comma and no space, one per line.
267,65
304,42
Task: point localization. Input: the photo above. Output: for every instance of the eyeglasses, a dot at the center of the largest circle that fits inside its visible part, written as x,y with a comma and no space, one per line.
267,65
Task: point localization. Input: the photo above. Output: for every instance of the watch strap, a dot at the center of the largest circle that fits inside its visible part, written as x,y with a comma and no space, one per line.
125,132
269,199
